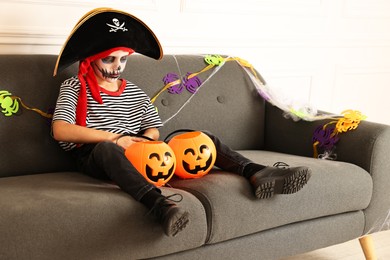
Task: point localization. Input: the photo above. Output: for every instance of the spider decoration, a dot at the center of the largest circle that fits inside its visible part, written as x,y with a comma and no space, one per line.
214,59
326,137
176,86
191,83
173,79
9,105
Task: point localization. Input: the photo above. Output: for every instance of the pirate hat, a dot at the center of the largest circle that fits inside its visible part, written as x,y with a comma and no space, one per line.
105,28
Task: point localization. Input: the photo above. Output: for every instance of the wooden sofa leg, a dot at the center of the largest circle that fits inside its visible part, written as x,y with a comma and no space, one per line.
368,248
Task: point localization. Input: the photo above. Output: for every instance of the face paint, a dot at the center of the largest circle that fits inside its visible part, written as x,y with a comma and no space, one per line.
110,68
110,74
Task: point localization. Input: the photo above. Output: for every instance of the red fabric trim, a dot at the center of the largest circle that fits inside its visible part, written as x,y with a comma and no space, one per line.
115,93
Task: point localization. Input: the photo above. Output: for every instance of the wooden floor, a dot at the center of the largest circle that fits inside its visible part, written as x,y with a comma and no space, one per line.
350,250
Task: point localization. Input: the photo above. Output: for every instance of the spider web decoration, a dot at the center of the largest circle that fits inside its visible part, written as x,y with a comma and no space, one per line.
323,137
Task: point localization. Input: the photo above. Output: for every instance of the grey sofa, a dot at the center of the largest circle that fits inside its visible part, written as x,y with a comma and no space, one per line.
51,211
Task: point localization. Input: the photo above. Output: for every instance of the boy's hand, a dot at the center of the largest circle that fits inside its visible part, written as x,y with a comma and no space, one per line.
127,141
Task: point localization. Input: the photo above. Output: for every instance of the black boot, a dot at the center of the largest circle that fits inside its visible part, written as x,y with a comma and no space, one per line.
273,180
172,218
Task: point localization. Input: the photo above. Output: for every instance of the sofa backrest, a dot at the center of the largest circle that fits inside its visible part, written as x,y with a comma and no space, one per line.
227,104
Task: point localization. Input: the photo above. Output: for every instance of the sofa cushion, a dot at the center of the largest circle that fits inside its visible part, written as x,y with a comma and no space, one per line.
232,210
68,215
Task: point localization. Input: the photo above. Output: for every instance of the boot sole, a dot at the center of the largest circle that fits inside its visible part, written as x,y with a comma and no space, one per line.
291,183
179,224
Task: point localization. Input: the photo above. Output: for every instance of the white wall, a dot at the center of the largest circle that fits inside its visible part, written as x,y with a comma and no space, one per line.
334,54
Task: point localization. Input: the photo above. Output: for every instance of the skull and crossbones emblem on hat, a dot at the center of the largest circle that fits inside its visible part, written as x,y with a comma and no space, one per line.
117,26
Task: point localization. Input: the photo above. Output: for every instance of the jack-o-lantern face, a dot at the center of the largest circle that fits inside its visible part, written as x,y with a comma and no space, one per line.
155,160
159,166
195,154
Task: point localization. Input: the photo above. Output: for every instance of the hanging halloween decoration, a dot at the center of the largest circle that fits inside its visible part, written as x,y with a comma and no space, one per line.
195,154
214,59
176,86
155,160
10,105
191,83
322,137
216,62
326,136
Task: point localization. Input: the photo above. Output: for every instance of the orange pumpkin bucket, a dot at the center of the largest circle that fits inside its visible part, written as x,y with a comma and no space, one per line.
195,154
155,160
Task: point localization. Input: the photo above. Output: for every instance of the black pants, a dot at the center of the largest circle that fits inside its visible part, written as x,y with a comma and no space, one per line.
107,161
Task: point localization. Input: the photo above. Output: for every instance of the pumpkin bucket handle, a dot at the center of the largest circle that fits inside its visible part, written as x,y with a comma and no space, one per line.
170,136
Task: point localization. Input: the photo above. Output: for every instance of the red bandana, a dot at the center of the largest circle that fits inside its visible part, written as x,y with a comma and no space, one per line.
86,76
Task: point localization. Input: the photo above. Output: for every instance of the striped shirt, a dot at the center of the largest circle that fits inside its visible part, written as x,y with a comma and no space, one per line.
127,111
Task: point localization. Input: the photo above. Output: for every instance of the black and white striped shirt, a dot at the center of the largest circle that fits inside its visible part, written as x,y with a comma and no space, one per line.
127,111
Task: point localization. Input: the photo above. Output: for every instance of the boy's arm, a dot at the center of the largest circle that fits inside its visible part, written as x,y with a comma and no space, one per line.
66,132
152,133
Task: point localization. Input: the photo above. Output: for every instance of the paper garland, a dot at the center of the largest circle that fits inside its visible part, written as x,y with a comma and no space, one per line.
10,105
323,137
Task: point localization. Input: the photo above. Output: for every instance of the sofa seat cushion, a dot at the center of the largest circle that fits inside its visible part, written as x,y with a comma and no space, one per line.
233,211
68,215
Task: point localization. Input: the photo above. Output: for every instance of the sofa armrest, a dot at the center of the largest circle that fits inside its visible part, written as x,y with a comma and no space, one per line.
368,146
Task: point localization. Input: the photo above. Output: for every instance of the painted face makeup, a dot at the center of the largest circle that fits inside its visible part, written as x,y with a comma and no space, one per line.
110,68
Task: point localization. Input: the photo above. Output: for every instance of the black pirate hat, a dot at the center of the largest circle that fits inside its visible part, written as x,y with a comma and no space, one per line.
105,28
